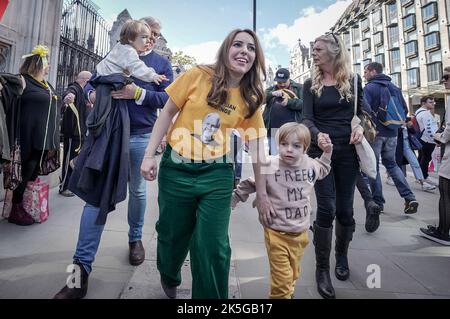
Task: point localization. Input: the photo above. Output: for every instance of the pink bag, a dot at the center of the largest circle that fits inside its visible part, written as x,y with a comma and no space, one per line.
35,200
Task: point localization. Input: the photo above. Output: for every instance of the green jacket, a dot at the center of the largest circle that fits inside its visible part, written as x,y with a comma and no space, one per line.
293,104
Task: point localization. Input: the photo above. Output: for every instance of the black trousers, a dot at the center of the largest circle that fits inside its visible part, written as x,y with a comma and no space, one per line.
362,183
30,170
335,192
425,157
70,145
444,205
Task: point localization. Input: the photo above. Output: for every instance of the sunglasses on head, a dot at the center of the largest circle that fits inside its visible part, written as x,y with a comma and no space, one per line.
445,77
334,37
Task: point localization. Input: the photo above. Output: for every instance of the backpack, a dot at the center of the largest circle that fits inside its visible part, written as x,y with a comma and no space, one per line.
417,131
390,113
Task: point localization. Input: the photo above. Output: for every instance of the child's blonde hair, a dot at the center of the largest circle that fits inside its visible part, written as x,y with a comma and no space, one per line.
300,131
131,30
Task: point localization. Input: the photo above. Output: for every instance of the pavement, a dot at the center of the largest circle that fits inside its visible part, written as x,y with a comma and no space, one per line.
33,259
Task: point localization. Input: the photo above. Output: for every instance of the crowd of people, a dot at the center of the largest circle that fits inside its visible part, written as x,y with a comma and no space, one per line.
112,132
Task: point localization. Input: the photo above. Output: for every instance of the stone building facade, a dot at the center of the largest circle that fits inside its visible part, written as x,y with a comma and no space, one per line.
25,24
409,37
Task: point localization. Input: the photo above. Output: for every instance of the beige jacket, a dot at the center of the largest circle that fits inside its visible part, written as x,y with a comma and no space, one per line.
444,169
289,189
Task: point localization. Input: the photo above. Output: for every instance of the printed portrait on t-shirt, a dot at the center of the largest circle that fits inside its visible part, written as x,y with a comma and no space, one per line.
210,126
311,175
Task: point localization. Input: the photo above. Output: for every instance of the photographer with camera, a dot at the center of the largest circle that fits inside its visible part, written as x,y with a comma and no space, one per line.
284,103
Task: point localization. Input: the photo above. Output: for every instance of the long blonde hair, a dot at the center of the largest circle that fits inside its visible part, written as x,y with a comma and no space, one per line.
251,87
341,67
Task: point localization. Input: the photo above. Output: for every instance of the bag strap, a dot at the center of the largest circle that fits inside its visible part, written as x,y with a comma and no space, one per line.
355,91
75,111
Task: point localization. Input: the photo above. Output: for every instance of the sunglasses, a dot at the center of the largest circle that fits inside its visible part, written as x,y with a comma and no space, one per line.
334,37
445,77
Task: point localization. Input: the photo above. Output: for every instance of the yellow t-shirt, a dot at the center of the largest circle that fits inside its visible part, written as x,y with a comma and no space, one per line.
202,132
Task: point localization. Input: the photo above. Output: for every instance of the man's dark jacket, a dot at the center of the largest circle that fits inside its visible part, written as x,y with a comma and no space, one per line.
101,171
295,105
69,126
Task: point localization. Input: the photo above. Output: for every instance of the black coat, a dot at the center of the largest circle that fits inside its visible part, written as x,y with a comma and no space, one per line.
69,125
9,107
39,118
101,171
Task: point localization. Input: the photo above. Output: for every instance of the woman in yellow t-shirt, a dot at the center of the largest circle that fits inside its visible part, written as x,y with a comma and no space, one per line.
196,174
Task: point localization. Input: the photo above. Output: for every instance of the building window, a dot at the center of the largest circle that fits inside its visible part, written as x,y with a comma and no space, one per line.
434,56
409,10
378,38
413,63
347,40
434,71
432,41
379,50
366,61
377,17
410,36
356,54
380,58
365,25
393,37
395,61
396,79
367,55
409,22
391,13
431,27
429,12
413,77
366,45
411,48
447,4
355,36
406,3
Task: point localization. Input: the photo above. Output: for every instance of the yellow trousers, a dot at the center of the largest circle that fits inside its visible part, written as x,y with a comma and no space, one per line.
285,251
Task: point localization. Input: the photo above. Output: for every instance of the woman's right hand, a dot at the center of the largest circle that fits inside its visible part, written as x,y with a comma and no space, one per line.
149,168
324,142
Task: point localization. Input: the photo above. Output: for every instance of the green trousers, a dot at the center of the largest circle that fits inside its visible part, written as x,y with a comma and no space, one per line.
194,213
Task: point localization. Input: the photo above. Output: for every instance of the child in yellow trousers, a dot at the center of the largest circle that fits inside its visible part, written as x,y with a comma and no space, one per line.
290,181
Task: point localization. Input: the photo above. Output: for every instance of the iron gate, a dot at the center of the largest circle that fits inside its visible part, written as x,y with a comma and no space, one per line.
84,41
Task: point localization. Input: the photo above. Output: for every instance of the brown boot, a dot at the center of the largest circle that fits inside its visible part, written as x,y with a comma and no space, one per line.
137,253
75,292
19,216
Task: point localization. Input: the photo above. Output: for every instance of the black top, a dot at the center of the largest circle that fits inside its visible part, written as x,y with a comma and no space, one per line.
39,118
329,113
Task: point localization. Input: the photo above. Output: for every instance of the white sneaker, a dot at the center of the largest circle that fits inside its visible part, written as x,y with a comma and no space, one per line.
428,187
431,182
389,181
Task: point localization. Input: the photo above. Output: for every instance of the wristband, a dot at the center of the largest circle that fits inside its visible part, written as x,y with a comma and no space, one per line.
137,93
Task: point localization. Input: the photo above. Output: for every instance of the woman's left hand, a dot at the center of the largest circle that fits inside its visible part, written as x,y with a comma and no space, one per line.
357,135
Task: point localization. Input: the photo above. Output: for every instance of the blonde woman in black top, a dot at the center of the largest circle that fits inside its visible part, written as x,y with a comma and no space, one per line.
328,110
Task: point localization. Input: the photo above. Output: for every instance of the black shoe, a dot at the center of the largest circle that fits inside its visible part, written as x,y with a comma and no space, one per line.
75,292
435,235
344,235
411,206
372,217
137,253
322,244
170,291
